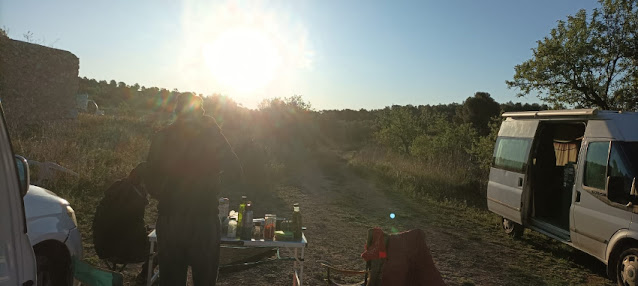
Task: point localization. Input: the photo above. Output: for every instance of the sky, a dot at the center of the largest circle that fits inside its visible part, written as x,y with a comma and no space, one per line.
335,54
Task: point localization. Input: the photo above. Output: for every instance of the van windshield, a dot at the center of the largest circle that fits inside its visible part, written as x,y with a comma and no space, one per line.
622,170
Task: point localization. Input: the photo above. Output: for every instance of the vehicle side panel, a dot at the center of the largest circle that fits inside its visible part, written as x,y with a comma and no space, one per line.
506,187
595,220
17,261
504,194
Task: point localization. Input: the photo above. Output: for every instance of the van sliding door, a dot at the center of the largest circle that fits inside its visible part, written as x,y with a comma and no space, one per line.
505,190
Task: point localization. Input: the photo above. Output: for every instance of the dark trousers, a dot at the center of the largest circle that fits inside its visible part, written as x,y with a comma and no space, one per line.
184,241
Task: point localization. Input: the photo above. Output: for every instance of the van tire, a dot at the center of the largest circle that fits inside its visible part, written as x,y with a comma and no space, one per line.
53,264
627,267
512,229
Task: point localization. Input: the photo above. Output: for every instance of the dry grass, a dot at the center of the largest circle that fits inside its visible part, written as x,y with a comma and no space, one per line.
442,181
101,149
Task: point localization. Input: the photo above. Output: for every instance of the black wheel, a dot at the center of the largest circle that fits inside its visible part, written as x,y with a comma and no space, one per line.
51,273
627,267
512,229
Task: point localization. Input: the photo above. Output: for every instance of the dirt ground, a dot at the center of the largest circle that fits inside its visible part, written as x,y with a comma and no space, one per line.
339,205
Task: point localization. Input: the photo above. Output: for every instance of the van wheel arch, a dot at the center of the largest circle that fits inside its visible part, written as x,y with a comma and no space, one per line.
53,263
619,248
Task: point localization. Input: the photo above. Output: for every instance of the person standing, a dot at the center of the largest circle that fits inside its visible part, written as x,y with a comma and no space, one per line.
186,162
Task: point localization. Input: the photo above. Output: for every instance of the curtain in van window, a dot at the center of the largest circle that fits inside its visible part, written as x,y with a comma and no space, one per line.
565,153
511,153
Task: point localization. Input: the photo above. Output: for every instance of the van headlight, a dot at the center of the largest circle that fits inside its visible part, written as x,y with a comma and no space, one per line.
71,213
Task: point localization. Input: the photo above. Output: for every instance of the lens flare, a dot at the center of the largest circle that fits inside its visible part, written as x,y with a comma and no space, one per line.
392,216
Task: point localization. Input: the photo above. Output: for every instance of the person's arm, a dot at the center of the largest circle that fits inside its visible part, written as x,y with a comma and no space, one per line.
153,174
230,165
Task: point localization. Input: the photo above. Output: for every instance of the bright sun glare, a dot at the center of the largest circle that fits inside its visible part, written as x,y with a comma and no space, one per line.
244,59
247,50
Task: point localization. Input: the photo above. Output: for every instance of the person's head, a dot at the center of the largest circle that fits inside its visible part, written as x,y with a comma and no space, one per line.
189,105
136,177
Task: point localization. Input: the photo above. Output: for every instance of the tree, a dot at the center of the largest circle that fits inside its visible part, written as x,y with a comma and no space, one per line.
289,119
398,127
511,106
478,110
586,61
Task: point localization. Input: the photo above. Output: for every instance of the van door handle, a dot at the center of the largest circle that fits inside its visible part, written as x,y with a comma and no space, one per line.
520,182
577,196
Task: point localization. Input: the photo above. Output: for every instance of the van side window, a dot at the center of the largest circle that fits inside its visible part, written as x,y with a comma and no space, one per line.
596,165
511,154
621,170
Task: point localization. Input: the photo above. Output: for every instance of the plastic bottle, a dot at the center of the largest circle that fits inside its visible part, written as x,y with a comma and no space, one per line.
223,206
232,228
242,209
247,227
296,222
223,214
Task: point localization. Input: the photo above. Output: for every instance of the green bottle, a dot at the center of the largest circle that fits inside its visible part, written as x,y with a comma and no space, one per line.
247,227
242,210
296,222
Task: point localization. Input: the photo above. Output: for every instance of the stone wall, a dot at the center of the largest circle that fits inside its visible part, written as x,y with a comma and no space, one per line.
37,83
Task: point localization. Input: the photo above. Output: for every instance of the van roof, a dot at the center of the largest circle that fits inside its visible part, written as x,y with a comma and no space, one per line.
619,125
565,113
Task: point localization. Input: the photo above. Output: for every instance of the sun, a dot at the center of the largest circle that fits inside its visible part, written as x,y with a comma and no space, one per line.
243,59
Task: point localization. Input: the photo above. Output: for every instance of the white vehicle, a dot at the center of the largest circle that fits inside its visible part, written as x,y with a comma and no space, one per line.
571,175
17,261
53,233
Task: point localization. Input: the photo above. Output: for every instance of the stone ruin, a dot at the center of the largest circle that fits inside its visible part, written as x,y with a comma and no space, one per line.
37,83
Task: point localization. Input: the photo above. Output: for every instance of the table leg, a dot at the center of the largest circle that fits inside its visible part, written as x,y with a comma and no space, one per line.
149,269
301,267
296,259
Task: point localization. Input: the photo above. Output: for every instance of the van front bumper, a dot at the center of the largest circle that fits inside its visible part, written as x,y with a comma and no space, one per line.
74,244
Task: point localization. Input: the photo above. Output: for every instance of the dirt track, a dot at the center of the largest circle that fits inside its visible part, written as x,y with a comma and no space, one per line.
339,206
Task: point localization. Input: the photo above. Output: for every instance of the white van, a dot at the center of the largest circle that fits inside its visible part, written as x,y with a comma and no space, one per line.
571,174
17,260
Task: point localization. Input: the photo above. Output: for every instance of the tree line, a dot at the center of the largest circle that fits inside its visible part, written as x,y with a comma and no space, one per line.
587,61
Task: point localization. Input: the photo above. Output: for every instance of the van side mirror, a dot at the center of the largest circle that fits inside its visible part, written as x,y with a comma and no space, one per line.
23,174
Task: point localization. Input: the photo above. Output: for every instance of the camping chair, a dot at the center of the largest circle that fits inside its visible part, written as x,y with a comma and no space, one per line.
408,261
90,275
372,272
114,265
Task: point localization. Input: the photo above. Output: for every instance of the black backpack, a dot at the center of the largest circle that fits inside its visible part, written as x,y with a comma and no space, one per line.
119,232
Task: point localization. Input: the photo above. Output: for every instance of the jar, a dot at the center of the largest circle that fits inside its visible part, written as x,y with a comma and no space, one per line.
269,228
258,233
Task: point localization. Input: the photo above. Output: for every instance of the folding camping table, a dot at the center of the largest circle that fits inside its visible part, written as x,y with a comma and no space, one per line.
296,248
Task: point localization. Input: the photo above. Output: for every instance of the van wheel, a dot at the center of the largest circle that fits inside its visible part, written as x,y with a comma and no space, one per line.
51,273
627,269
513,229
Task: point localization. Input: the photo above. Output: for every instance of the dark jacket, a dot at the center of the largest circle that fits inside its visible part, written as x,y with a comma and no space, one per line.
186,162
